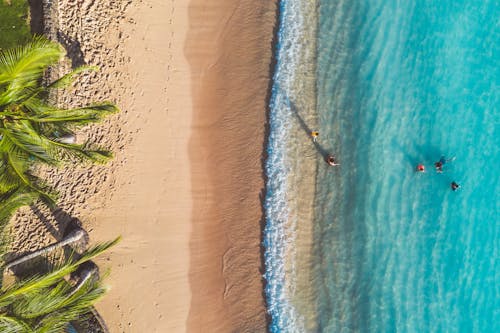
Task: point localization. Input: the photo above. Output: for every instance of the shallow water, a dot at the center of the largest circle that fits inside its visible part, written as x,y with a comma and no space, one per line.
381,248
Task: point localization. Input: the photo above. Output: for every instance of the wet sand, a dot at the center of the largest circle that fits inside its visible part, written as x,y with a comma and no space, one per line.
231,63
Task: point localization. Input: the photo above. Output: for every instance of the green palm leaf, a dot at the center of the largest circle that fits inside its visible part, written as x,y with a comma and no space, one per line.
30,129
47,303
78,116
9,324
23,66
67,79
25,138
11,201
9,179
81,306
60,300
79,152
44,281
28,62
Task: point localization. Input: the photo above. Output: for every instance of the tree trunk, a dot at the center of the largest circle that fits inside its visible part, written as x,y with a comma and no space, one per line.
85,275
72,237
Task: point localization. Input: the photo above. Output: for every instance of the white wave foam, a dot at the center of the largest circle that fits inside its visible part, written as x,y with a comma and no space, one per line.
279,235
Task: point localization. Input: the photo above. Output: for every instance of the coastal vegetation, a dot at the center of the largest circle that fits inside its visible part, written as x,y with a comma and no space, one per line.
33,132
49,302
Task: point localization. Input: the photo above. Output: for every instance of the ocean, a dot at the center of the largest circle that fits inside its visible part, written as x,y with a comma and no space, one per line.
372,245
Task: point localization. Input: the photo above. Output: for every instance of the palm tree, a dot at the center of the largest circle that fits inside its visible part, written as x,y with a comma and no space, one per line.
32,130
73,237
47,303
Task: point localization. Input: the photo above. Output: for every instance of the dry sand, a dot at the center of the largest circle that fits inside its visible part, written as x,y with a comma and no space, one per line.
184,190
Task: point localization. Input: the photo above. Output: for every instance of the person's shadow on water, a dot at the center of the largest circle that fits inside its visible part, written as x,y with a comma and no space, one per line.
325,154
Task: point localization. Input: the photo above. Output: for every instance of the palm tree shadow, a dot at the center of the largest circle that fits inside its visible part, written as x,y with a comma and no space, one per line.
36,16
60,224
73,49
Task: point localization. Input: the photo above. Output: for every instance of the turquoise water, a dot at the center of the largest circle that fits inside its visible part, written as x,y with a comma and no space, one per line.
396,83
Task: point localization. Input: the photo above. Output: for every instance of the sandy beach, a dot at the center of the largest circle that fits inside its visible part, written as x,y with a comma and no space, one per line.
231,63
185,188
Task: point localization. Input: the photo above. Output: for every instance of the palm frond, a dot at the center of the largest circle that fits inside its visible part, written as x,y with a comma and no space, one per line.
16,166
44,281
56,323
78,116
8,177
16,175
18,98
10,181
59,299
11,201
20,137
10,324
41,301
25,64
67,79
73,311
30,129
24,137
79,152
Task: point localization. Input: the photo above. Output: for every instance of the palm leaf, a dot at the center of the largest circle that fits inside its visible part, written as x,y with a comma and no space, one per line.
8,177
67,79
16,165
18,98
24,137
59,299
47,280
14,174
24,65
81,306
42,301
79,152
10,324
78,116
11,201
29,127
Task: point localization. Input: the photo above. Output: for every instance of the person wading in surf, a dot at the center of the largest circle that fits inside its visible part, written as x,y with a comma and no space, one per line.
314,135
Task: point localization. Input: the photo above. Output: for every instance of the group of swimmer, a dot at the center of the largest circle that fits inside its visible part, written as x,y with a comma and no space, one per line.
439,169
330,160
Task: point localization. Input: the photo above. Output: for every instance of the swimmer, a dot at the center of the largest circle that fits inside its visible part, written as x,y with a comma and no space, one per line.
420,168
439,164
454,186
442,161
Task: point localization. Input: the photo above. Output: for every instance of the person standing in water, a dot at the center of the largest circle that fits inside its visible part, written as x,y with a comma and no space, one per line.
314,135
330,159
